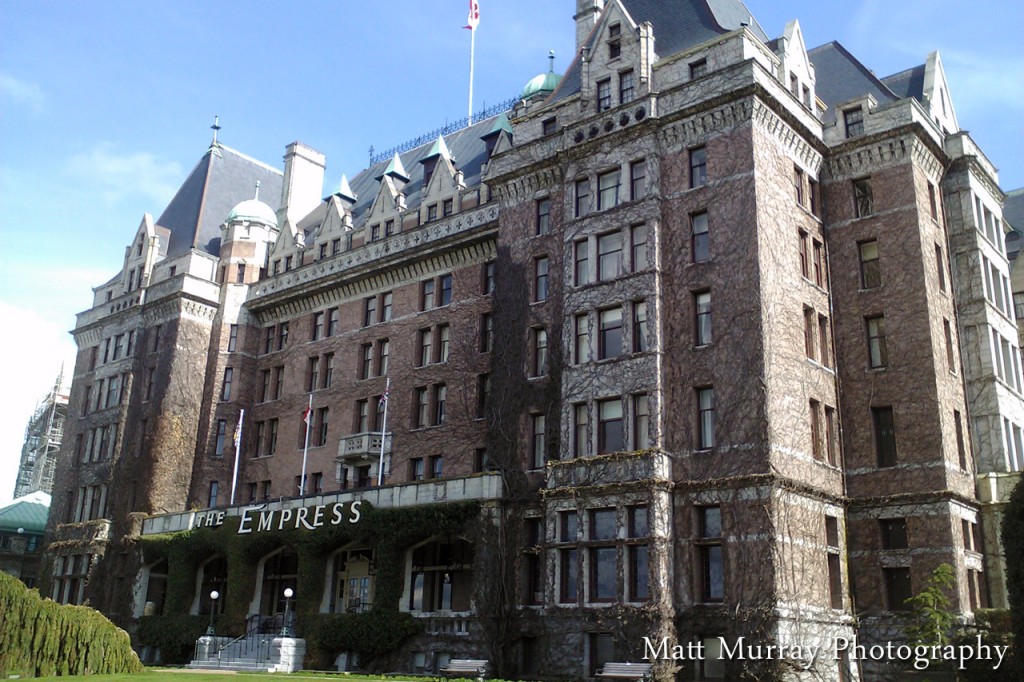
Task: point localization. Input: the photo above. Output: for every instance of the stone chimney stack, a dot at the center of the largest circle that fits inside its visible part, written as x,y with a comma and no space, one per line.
588,13
303,183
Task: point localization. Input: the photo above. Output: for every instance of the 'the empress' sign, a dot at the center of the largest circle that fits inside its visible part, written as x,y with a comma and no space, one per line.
256,519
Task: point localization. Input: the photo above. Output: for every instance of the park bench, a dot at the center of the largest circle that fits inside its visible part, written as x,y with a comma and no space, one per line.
626,671
465,667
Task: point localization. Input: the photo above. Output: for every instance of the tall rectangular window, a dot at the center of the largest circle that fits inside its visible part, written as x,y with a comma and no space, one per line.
641,422
897,587
426,341
698,167
232,338
702,321
489,268
543,216
383,356
607,190
421,417
328,370
582,340
798,185
539,446
282,335
222,430
609,256
369,310
332,322
863,198
540,282
444,334
701,239
884,427
638,179
540,352
609,426
950,353
819,263
214,493
639,326
853,120
317,327
709,547
446,289
626,88
225,392
580,431
486,332
387,299
362,416
824,354
581,262
427,294
604,94
816,440
582,202
440,400
961,448
366,361
833,562
313,374
877,354
638,241
705,418
321,426
609,341
933,208
870,271
831,436
809,332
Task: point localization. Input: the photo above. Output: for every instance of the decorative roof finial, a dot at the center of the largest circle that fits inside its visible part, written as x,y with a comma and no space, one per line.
257,197
551,60
215,127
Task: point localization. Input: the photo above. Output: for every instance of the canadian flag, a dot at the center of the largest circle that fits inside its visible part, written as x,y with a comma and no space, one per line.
474,15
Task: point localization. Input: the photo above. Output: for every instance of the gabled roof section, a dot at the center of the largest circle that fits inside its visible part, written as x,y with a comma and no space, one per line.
467,148
221,179
27,513
840,77
678,26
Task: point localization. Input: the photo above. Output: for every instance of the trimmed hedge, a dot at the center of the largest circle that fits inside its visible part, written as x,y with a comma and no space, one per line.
40,638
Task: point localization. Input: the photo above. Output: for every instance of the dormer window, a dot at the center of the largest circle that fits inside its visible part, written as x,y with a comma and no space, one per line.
374,232
698,68
807,97
389,227
614,41
604,94
287,263
431,212
854,121
138,249
447,207
549,126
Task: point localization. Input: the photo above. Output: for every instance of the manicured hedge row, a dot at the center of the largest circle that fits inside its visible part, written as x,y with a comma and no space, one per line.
39,637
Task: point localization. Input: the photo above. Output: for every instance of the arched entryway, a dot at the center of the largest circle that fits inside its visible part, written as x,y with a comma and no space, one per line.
280,571
351,580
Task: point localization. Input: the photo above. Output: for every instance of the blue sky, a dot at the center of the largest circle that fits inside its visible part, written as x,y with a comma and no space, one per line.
106,106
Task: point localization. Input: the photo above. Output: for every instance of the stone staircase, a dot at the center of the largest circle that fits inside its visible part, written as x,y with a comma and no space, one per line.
260,649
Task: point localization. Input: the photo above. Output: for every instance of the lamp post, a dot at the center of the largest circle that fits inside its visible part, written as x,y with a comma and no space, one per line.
214,596
286,631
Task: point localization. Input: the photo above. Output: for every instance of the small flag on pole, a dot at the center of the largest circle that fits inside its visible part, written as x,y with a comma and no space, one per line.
384,397
306,414
474,15
238,429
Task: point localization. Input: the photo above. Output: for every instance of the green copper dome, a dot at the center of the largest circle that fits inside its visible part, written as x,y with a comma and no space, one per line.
541,84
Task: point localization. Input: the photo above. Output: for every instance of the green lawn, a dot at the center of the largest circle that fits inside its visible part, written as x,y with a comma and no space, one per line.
158,674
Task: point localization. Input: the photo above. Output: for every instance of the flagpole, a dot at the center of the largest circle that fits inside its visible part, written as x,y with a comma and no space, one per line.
383,433
238,448
472,51
305,448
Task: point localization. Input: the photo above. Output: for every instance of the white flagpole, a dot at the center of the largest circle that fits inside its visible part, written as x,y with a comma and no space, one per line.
305,448
472,50
383,433
238,448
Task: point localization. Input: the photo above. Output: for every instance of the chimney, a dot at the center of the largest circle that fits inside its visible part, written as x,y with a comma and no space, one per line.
588,13
303,183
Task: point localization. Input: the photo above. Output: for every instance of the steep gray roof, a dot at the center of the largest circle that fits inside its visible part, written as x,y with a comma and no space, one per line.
839,77
221,179
909,83
468,151
678,25
1013,209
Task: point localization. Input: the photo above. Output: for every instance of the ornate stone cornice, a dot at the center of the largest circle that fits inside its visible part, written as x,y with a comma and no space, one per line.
769,121
692,129
525,187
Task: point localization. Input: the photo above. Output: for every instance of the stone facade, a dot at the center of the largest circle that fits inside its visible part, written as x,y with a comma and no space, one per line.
684,327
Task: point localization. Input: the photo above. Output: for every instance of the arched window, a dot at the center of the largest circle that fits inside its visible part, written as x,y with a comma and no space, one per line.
442,576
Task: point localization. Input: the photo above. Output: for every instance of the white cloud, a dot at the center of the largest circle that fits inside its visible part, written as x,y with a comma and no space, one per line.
20,92
36,349
116,176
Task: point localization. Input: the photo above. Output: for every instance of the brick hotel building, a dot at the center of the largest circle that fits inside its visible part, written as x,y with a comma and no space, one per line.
712,332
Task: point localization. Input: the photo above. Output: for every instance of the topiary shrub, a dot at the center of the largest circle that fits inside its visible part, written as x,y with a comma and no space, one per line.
175,635
39,638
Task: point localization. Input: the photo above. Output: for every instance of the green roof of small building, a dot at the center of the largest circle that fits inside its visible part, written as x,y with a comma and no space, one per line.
26,514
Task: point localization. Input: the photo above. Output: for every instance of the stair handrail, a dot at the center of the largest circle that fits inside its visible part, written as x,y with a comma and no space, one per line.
252,623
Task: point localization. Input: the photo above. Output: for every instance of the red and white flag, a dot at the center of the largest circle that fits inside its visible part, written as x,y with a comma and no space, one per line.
384,398
474,15
306,415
